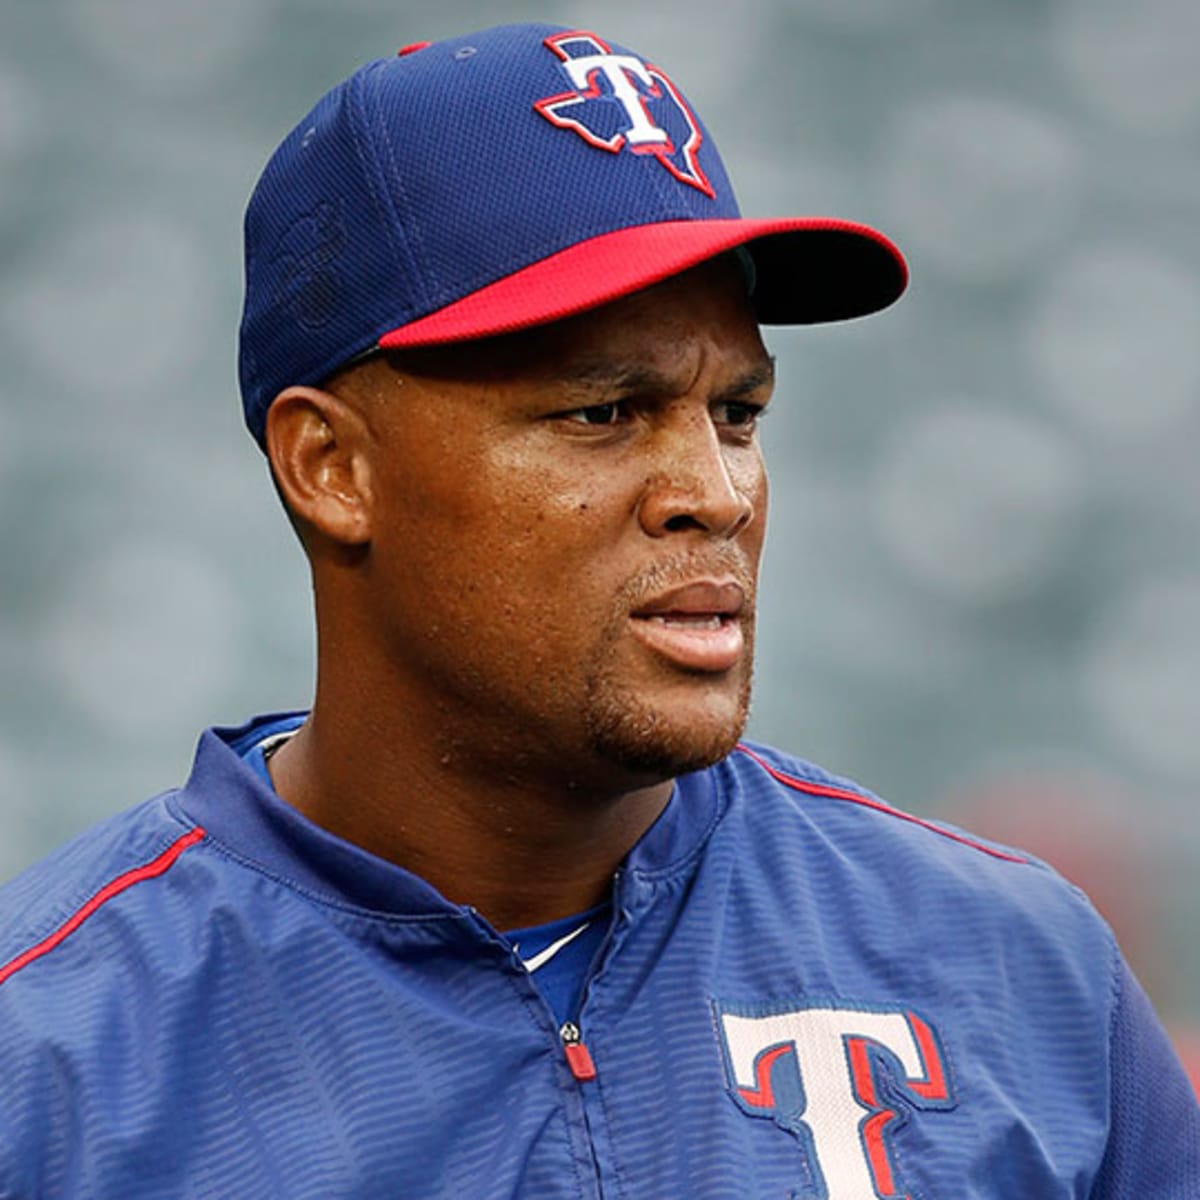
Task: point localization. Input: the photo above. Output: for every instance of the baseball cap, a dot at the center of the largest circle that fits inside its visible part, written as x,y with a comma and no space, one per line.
500,180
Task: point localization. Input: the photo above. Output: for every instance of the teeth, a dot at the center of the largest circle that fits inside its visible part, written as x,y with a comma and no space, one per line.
691,620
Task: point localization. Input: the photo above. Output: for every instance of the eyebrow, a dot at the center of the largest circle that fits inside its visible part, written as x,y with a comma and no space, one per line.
601,373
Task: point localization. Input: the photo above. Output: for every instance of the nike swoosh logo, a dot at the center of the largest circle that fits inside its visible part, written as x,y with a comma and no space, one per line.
544,956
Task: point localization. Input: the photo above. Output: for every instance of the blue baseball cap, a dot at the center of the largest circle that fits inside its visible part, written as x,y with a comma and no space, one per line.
501,180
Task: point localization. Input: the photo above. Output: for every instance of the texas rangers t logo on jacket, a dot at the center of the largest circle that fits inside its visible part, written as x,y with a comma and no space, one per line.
619,103
841,1080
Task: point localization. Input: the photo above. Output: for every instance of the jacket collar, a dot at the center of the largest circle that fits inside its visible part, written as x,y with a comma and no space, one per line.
251,822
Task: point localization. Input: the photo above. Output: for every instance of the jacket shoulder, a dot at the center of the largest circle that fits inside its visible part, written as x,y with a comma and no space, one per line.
905,860
757,766
53,899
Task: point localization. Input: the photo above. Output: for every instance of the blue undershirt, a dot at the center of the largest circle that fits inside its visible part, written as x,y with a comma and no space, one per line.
562,974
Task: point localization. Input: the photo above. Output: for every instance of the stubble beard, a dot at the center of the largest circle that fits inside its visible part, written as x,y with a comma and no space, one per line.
644,738
634,735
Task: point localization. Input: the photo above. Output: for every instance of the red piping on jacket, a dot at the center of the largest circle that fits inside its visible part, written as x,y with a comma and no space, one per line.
837,793
158,866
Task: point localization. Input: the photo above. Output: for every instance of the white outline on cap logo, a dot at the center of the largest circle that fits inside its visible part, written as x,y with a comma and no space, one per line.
623,73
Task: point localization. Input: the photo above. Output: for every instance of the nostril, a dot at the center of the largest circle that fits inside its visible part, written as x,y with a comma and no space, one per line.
680,522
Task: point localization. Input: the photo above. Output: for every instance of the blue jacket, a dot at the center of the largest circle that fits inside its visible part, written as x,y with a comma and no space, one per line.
804,995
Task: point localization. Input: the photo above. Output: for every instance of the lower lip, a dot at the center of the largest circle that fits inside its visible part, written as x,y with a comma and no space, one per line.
692,645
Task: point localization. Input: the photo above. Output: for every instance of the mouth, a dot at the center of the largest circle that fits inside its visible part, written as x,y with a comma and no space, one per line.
696,627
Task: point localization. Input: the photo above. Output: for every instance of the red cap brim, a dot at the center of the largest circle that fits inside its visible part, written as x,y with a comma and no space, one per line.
809,270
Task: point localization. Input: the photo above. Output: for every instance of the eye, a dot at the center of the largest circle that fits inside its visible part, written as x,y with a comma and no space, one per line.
739,414
597,414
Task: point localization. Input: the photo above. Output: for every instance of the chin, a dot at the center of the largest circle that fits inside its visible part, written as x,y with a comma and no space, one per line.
663,740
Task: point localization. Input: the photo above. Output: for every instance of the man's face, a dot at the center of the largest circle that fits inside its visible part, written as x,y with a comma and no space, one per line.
566,532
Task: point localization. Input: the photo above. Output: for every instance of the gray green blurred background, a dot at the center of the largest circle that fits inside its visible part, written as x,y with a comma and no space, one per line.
983,593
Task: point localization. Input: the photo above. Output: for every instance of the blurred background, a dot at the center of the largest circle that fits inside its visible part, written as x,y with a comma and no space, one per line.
983,591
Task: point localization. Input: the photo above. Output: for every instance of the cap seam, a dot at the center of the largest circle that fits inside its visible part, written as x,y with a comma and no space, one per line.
387,184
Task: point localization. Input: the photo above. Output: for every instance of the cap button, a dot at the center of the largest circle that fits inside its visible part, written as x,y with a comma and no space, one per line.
412,48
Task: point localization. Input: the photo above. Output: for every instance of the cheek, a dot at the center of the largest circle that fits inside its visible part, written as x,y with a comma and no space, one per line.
762,500
550,506
505,546
559,543
748,473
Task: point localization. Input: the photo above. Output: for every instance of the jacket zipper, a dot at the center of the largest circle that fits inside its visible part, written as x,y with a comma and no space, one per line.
579,1058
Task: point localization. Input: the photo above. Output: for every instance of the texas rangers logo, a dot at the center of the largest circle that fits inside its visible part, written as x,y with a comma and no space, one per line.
842,1081
621,104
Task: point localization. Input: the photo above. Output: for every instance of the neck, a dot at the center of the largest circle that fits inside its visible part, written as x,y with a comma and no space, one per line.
520,844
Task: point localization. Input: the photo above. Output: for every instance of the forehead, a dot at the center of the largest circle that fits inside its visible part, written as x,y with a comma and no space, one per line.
667,329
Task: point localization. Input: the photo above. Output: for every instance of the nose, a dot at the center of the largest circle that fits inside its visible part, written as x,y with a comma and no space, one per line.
699,483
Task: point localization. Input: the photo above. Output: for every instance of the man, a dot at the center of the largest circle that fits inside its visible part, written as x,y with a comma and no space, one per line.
512,912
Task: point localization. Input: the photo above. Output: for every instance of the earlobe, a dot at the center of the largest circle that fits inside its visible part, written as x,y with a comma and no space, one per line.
317,444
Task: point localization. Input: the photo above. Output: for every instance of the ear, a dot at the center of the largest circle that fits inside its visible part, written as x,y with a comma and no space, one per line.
318,446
